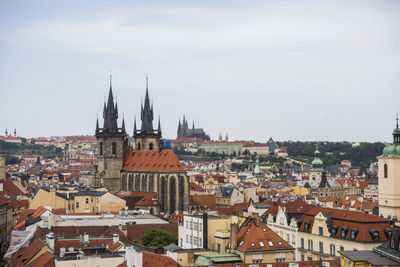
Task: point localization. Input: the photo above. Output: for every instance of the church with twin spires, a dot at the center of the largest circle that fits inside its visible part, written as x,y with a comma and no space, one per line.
148,167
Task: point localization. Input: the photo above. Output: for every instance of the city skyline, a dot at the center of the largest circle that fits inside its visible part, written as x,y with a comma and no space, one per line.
299,71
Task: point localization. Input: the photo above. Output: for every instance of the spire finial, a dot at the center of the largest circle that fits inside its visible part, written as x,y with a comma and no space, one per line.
110,79
147,81
397,120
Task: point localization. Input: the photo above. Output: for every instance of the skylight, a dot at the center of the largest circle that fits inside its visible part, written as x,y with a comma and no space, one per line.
241,243
270,243
261,244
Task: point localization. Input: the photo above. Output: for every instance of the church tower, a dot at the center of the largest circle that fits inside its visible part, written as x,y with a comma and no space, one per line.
2,165
389,178
111,146
316,170
147,138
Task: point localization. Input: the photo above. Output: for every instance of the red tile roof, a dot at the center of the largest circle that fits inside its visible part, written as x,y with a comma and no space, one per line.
152,160
205,201
157,260
44,260
10,189
196,187
254,235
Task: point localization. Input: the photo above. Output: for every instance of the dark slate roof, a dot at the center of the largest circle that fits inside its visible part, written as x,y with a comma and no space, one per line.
368,256
90,193
227,190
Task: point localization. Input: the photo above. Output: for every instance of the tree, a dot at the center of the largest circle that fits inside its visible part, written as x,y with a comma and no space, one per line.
158,238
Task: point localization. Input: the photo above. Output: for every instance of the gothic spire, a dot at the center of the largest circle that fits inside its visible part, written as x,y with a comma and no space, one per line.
159,125
110,113
134,125
123,123
396,132
147,113
193,125
97,124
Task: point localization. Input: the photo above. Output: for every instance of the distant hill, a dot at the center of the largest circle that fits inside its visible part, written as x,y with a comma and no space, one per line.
333,153
47,152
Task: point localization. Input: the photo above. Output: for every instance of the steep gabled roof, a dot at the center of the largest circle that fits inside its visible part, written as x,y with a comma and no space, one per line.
254,235
151,160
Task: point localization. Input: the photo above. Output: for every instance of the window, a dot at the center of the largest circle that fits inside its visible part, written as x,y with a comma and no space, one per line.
302,242
151,146
87,201
310,244
343,233
114,149
352,234
77,205
341,248
321,230
302,257
375,236
138,146
101,149
187,238
385,171
91,200
332,249
321,247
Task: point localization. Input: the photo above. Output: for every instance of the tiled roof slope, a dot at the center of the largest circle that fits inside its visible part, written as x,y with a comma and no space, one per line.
362,223
205,201
151,160
157,260
254,235
44,260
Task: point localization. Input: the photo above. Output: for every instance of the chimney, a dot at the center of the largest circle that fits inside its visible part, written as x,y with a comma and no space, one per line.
50,240
234,232
85,238
68,194
205,230
115,238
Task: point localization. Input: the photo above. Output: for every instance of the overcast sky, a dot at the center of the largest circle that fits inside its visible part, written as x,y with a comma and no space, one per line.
293,70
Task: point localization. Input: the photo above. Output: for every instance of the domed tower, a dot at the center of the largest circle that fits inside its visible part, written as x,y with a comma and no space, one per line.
316,170
389,178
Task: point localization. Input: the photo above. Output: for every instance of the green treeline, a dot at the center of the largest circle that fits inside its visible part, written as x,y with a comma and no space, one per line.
47,152
334,152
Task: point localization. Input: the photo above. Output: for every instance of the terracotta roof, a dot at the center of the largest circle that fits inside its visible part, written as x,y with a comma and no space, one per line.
153,260
196,187
152,160
25,254
254,235
297,206
205,201
44,260
10,189
93,242
137,198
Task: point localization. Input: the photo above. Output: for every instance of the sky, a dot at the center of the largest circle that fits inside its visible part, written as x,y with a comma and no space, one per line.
291,70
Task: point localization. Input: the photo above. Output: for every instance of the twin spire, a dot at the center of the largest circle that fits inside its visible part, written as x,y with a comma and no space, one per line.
110,115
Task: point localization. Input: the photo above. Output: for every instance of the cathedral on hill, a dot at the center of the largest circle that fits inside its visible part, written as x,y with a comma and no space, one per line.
185,132
147,168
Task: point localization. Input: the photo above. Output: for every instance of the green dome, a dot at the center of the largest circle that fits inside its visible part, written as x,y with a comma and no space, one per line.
391,151
316,162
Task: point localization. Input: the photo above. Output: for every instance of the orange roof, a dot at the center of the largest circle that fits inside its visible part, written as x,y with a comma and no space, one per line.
151,160
205,201
254,235
25,254
153,260
196,187
45,260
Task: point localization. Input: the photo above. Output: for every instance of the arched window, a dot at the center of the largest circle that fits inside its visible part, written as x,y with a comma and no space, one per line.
138,146
101,149
352,234
385,171
151,146
114,149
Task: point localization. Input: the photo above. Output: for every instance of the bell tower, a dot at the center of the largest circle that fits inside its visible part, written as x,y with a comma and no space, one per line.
111,146
147,138
389,178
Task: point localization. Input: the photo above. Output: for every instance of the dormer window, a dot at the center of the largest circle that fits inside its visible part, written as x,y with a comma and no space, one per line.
375,236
